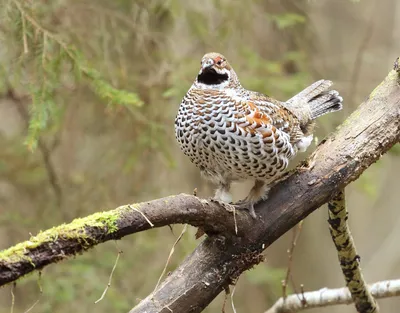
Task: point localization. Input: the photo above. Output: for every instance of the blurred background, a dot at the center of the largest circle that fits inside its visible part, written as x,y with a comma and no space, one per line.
71,145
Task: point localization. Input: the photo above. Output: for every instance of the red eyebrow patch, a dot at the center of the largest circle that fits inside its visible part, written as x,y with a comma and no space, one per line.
217,59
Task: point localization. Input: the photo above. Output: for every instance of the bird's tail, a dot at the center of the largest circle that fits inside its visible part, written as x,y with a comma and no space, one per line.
314,101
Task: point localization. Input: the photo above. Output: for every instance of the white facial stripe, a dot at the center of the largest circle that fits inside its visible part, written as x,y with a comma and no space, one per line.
207,63
216,86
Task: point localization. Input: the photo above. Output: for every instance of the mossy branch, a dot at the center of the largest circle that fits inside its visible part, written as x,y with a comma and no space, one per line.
81,234
348,258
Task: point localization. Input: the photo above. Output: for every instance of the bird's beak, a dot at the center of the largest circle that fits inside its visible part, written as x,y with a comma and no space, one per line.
207,64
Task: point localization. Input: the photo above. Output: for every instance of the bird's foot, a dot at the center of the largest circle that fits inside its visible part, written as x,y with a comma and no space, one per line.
240,205
227,206
246,205
309,164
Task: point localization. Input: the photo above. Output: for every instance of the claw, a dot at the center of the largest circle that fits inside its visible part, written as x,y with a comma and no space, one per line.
227,206
246,205
240,205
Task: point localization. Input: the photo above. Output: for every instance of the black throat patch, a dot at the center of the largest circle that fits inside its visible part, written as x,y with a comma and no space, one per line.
211,77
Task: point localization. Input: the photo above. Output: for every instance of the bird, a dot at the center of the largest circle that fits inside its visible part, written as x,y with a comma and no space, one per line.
233,134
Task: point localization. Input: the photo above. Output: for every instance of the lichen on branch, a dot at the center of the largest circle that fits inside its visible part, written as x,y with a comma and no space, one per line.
349,260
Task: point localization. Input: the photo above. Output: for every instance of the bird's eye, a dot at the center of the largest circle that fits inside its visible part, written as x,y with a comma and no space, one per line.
219,62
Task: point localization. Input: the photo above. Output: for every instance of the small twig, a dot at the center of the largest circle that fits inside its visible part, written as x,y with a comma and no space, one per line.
13,297
294,285
234,220
348,258
169,256
111,275
168,308
296,234
41,293
329,297
145,217
43,30
303,298
396,65
359,57
24,39
44,50
40,282
46,152
32,306
227,292
232,294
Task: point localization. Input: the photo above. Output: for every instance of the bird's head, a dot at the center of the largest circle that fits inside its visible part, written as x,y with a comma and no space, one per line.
215,70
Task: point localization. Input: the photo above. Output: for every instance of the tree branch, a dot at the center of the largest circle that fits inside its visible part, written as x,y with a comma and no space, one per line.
348,258
81,234
340,159
327,297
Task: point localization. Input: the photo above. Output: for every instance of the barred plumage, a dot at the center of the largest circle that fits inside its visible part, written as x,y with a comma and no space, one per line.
233,134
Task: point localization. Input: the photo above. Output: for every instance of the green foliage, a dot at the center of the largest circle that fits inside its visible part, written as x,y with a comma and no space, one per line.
97,83
49,55
275,80
264,275
395,150
287,20
107,92
367,182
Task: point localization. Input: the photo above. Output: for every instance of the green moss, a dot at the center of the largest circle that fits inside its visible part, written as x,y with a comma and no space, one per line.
75,229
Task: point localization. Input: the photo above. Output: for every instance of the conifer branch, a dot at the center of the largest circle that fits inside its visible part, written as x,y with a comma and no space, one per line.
43,96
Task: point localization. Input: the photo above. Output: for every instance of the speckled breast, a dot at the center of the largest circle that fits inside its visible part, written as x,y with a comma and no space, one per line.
211,132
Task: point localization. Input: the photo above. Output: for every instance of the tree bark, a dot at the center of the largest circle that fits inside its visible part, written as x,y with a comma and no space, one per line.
219,260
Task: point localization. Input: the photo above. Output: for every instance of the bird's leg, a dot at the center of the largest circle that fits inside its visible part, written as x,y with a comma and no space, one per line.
222,195
222,192
258,192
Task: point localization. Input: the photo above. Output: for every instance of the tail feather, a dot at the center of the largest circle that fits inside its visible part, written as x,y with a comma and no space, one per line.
314,101
324,103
